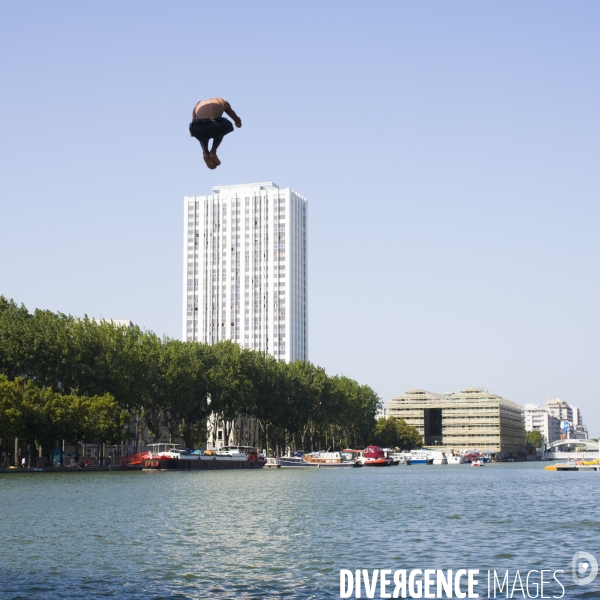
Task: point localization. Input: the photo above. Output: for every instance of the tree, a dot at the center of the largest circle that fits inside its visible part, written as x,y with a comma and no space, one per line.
386,433
410,437
11,416
106,421
396,433
184,372
534,438
228,385
268,394
76,378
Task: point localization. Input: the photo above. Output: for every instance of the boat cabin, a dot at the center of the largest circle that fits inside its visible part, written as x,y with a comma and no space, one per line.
164,450
237,451
374,452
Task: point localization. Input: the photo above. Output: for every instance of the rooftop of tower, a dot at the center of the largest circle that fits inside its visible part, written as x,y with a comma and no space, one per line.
262,184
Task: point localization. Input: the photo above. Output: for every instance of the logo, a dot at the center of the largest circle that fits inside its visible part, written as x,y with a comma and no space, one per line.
584,567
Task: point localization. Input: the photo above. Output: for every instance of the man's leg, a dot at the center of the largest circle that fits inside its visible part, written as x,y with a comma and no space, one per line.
210,163
204,144
213,153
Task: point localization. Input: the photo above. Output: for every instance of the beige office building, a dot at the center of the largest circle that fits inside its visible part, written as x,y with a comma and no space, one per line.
471,418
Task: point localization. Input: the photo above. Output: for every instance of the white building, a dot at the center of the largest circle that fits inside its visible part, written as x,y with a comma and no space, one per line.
560,409
577,420
382,413
538,419
579,430
547,420
245,269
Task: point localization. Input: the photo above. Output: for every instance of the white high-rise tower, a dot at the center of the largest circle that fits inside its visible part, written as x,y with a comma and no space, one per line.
245,269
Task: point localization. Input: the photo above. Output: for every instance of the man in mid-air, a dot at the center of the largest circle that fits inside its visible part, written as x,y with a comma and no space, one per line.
208,123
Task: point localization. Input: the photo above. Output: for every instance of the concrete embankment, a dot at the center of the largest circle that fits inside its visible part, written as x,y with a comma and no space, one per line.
16,470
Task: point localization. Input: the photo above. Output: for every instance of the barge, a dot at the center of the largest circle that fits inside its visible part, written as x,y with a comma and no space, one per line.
167,457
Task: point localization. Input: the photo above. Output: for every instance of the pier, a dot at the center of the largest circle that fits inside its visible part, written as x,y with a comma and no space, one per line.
573,467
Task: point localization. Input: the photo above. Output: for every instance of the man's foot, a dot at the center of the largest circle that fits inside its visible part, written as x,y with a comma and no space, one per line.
210,163
215,158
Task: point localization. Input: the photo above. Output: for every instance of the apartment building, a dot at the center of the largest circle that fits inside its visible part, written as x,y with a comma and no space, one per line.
471,418
245,269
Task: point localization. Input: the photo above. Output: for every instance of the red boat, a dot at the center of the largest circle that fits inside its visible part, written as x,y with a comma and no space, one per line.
374,456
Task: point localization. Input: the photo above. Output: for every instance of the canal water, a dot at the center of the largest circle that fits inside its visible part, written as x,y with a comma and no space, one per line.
287,533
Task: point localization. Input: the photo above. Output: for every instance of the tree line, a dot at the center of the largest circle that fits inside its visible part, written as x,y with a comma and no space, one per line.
39,418
78,379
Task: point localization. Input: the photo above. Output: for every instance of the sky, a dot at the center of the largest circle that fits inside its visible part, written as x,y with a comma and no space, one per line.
448,152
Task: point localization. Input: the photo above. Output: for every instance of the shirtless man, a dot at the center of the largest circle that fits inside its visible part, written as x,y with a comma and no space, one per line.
208,123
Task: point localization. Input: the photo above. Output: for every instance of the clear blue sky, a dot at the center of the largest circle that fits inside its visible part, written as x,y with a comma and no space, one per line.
449,152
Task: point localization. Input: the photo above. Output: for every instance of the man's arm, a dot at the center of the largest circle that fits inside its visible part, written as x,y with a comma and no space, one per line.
194,115
231,113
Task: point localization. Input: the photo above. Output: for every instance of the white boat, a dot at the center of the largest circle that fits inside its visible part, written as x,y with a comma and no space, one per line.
393,456
398,458
439,457
455,459
478,463
165,452
328,459
420,457
295,461
234,452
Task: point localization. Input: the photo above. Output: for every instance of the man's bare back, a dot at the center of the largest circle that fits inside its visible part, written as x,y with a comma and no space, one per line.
208,123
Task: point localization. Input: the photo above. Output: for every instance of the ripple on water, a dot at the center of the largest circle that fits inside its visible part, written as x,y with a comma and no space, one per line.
281,533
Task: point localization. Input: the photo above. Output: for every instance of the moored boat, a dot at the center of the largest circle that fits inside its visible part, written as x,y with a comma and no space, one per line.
439,457
236,453
398,458
354,455
170,457
328,459
478,462
455,459
134,460
295,461
421,457
393,456
374,456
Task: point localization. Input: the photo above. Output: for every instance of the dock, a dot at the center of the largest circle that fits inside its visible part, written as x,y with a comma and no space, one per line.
573,467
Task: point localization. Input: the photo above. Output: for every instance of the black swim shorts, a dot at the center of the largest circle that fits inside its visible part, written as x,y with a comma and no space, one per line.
205,129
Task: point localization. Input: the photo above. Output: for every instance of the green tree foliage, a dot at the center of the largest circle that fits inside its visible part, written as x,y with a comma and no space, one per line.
11,417
184,370
396,433
83,380
42,417
409,436
534,438
386,434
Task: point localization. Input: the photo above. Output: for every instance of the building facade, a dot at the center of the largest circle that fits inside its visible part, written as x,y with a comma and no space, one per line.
577,420
244,278
471,418
245,269
539,419
560,409
570,418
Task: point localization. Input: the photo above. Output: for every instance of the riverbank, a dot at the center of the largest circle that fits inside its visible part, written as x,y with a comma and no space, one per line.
19,470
